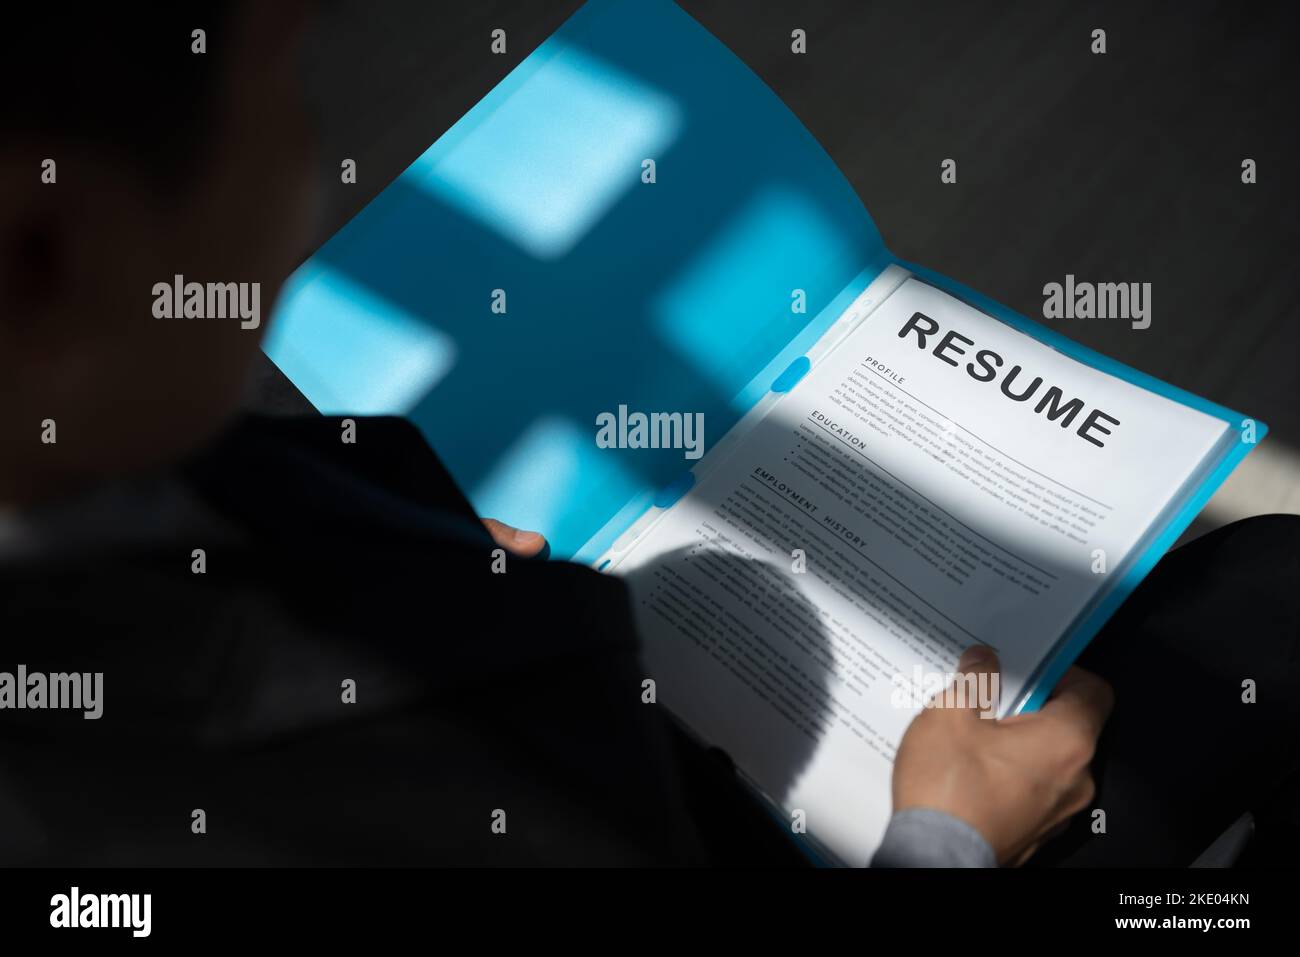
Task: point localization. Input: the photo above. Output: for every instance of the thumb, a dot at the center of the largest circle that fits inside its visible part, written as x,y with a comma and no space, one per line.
977,688
517,541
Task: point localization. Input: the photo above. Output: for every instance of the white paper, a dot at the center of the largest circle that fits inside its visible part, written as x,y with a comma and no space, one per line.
933,512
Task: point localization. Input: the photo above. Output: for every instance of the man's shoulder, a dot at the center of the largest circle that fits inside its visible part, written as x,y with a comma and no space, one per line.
384,450
357,651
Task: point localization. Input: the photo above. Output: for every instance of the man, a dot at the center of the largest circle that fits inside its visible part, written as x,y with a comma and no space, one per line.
304,655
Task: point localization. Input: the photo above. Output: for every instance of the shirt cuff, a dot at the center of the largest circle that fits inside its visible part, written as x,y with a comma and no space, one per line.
922,837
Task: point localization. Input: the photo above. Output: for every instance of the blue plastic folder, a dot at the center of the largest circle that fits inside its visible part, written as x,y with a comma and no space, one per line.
531,270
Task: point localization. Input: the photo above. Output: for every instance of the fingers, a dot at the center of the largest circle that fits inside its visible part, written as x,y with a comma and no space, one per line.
1026,854
1082,701
982,685
978,659
975,689
517,541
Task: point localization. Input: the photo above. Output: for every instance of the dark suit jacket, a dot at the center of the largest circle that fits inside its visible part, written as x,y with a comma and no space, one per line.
475,692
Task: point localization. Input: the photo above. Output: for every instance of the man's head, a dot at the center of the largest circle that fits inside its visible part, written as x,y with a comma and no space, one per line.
166,162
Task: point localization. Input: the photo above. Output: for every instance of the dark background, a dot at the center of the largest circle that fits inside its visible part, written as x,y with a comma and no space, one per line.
1122,167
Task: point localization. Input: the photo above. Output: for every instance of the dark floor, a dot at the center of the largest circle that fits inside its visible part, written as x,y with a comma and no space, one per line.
1123,167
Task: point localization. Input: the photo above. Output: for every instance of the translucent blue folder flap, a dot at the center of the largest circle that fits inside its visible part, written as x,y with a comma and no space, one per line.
630,218
629,222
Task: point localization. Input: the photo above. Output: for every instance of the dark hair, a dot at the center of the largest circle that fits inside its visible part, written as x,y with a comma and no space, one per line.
120,78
